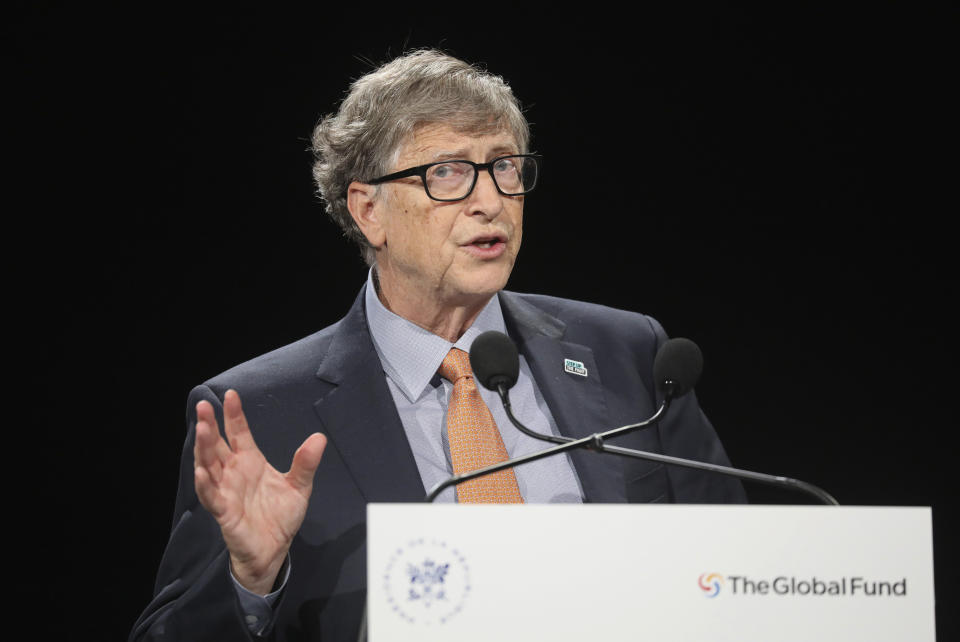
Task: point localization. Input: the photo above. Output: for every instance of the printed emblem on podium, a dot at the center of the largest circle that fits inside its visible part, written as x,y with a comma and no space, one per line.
426,582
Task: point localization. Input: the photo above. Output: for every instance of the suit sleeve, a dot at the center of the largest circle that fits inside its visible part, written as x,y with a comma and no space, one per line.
194,597
686,432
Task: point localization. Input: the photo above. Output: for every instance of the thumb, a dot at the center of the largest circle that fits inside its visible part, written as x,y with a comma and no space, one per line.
305,462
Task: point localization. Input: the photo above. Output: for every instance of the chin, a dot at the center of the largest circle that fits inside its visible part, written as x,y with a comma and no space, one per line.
483,285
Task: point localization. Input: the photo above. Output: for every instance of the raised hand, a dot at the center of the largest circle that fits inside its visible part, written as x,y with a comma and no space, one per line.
259,509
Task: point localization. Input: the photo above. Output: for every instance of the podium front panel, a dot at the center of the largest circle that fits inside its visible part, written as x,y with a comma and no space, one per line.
659,572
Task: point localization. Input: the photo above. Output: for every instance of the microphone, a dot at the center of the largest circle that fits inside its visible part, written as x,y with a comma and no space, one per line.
495,361
496,365
676,369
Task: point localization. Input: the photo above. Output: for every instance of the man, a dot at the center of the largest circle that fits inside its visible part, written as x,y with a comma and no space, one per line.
426,166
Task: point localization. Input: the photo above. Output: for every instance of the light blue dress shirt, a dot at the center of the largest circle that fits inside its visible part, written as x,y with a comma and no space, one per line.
411,357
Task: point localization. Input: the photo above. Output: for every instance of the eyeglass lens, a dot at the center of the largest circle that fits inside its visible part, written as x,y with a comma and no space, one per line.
514,175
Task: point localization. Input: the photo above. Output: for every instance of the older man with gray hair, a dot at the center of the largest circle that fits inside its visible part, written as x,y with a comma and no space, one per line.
426,166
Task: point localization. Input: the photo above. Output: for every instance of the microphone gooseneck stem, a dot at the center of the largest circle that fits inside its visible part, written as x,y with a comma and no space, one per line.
585,442
597,443
504,393
595,439
772,480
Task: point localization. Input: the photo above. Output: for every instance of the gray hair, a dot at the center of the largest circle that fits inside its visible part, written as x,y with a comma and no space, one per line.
384,107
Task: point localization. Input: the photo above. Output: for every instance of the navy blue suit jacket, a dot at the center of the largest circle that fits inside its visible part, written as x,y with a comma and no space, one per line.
333,382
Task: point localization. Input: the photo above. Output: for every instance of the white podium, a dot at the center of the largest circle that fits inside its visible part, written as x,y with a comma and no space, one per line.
649,572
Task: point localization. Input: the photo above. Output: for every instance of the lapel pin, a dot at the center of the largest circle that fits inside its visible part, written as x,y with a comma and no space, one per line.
574,367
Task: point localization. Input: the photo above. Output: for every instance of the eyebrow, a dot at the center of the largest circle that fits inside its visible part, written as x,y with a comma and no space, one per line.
499,150
444,155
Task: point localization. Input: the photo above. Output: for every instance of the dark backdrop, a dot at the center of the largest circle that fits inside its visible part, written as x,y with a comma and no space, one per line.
776,185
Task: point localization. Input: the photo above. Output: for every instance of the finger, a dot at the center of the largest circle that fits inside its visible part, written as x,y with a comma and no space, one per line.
235,423
205,412
208,493
305,462
209,450
206,415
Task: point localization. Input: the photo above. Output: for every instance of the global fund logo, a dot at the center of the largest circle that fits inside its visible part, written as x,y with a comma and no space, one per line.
853,586
710,583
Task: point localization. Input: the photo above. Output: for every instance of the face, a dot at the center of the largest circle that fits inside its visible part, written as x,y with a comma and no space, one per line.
455,253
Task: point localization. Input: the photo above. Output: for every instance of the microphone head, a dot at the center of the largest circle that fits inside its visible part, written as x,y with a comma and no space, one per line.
494,359
677,367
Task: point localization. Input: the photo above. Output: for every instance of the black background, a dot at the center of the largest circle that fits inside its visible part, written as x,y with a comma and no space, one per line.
777,185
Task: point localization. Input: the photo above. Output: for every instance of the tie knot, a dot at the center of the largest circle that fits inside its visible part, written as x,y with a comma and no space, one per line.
456,365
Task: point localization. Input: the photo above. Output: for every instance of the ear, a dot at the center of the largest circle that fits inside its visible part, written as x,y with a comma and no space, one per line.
363,208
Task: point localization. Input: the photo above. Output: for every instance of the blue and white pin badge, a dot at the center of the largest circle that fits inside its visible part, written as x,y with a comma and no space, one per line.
574,367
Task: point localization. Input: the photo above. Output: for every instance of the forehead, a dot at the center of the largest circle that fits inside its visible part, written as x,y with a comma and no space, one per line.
435,142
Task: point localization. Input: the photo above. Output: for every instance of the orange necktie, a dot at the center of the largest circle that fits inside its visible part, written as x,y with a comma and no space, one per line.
475,441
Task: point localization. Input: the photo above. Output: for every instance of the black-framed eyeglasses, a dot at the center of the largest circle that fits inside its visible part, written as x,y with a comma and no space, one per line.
454,180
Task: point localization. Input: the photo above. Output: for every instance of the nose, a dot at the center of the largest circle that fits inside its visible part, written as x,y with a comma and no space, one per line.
485,199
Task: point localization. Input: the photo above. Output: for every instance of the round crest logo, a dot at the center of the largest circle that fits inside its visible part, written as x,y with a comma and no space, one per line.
710,583
426,582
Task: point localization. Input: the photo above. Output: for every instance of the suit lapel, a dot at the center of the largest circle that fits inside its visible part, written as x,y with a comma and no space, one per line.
577,402
360,417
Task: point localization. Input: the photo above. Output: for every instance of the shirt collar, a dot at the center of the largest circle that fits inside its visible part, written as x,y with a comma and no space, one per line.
411,355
